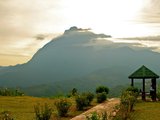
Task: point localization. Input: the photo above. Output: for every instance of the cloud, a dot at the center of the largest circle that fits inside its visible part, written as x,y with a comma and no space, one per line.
151,11
148,42
103,36
45,36
24,19
40,36
21,20
146,38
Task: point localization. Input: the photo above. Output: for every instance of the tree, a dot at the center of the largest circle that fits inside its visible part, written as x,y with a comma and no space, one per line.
74,92
102,89
102,92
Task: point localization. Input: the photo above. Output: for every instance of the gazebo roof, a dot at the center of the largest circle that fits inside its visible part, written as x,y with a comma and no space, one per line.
143,72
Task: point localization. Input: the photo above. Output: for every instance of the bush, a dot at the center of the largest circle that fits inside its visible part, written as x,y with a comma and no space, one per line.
6,115
128,100
84,100
102,89
158,95
89,96
62,106
74,92
42,112
10,92
134,90
81,102
95,116
101,97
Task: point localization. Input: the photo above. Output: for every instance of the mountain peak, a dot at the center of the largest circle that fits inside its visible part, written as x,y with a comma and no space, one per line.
75,29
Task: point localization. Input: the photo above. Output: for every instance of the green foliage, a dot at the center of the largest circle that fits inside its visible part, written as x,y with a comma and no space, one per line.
133,89
6,115
104,116
10,92
42,112
81,102
128,101
62,106
158,95
84,100
74,92
95,116
89,96
102,92
102,89
101,97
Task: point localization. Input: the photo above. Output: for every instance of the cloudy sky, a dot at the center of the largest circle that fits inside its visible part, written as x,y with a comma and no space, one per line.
26,25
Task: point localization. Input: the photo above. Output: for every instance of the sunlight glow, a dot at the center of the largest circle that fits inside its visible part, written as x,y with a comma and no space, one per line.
113,17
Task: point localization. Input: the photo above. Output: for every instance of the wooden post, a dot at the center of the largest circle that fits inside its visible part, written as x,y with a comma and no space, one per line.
143,90
132,82
154,89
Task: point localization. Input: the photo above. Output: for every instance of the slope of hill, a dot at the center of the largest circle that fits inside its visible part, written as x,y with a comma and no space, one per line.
81,59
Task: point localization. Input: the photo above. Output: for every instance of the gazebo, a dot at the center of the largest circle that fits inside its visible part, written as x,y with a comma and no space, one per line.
145,73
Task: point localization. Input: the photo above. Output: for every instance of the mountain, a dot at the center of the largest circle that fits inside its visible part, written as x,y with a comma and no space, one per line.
79,58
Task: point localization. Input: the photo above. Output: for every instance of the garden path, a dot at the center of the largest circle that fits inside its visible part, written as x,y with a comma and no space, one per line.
107,107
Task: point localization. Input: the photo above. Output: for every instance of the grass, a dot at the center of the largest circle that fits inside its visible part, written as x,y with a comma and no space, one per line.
146,111
22,108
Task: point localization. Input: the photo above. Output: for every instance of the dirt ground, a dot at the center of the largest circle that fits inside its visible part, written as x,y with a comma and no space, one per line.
107,107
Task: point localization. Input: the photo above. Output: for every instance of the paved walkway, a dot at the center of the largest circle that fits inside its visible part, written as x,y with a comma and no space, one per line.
107,107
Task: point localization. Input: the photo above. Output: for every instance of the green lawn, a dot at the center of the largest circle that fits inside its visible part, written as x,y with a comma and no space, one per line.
147,111
22,108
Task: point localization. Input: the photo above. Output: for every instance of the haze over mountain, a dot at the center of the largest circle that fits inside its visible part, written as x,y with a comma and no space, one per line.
82,59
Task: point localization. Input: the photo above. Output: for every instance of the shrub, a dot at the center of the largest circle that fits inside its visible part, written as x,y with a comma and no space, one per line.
6,115
134,91
128,100
89,96
84,100
158,95
81,102
42,112
62,106
95,116
101,97
102,89
10,92
74,92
